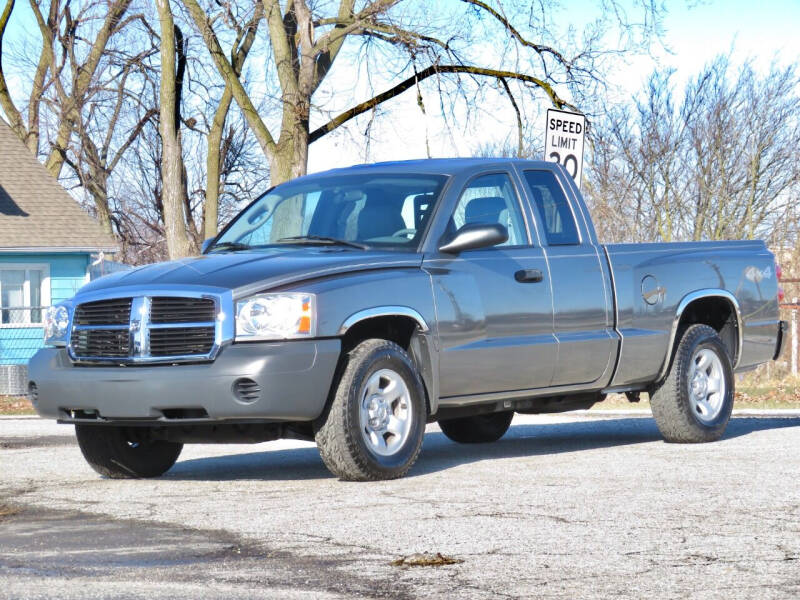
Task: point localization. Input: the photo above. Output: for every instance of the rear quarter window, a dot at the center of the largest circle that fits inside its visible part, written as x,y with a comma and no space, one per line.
554,210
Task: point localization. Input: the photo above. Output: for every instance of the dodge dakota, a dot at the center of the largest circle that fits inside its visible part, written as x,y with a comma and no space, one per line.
354,306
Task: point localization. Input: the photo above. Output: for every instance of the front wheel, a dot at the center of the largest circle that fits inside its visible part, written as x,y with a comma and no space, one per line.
125,452
695,401
374,425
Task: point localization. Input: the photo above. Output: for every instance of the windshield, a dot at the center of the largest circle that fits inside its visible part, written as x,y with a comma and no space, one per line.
357,210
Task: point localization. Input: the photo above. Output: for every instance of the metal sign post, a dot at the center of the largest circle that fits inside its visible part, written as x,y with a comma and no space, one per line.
564,141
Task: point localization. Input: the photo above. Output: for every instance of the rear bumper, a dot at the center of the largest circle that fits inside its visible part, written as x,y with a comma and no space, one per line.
783,327
293,380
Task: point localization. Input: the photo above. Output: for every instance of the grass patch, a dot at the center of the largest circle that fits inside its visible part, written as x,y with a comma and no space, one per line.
15,405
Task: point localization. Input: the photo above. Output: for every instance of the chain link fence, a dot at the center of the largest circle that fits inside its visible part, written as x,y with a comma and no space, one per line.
21,335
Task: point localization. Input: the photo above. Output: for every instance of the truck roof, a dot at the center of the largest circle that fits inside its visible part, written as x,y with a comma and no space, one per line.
442,166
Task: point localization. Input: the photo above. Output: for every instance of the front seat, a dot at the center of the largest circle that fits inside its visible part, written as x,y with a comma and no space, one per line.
378,220
485,211
489,210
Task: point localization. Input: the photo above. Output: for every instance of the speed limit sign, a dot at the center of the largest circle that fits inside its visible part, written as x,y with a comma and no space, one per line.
564,133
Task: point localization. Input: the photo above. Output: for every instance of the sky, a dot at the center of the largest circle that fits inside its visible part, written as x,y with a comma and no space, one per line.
694,33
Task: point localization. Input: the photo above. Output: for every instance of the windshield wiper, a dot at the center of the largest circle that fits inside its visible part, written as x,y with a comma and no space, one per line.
323,239
230,246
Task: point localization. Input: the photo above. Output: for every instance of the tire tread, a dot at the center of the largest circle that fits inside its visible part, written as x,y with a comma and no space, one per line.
669,401
335,434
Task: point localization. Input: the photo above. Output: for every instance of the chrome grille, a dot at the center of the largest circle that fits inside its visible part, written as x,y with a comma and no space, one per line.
181,341
114,343
146,329
104,312
168,309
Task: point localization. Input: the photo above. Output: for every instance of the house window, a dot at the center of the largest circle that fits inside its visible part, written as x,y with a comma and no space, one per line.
24,293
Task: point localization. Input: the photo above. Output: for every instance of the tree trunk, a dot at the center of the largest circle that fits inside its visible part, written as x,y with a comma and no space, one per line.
97,187
289,161
173,194
86,72
214,162
215,158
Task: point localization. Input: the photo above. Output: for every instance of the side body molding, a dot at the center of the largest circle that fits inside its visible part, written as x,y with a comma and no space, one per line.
683,304
384,311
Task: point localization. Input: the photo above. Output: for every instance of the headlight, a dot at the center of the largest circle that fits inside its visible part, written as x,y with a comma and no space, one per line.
276,317
56,325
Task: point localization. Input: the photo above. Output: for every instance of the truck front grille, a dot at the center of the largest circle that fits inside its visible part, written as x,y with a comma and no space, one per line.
107,343
145,329
167,309
104,312
180,341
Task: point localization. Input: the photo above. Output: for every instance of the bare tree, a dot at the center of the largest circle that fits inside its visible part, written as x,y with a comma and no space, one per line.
82,86
175,197
305,42
219,150
30,132
722,163
72,97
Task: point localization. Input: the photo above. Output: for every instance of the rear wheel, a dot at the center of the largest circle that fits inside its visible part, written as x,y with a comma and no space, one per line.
694,402
477,429
125,452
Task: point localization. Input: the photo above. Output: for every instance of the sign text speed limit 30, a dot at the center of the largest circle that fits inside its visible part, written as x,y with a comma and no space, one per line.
563,144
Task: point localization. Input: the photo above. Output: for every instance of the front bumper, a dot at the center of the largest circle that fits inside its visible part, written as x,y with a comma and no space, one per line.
293,380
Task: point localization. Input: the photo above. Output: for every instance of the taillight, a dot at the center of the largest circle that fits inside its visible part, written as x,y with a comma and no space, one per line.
778,271
781,294
779,275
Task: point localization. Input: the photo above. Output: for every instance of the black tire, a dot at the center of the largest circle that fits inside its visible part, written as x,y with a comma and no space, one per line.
338,432
677,417
125,452
477,429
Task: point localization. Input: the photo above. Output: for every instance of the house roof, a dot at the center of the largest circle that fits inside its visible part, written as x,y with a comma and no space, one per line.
36,213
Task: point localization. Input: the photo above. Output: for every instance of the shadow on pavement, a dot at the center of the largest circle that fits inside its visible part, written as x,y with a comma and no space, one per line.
439,453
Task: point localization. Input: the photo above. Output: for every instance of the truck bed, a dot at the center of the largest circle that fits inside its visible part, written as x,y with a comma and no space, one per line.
651,281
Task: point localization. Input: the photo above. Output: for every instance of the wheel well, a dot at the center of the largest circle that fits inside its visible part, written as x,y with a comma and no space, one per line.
395,328
716,312
402,331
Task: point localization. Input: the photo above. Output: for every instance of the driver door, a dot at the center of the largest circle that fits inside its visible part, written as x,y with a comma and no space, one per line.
494,305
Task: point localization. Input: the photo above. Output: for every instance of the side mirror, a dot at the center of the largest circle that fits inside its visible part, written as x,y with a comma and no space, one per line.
477,235
206,243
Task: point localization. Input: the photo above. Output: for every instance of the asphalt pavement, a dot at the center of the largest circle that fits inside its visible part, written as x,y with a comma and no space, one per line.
566,506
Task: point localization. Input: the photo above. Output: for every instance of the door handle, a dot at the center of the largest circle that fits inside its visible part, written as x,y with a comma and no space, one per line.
529,276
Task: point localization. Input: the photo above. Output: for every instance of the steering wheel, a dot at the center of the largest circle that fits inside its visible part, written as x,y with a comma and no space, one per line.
405,232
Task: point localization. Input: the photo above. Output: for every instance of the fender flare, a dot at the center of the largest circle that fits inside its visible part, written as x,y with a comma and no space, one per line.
423,351
384,311
684,304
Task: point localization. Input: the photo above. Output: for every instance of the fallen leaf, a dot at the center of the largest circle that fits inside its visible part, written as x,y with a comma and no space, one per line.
425,559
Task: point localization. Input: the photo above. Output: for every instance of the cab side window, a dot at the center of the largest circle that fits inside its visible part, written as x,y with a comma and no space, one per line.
487,200
554,209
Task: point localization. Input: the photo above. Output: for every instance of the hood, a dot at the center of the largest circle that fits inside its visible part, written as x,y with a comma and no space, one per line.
253,270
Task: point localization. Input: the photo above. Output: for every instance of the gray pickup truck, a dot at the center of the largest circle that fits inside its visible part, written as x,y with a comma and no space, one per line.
353,306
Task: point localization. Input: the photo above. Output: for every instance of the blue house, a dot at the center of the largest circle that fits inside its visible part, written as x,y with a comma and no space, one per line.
47,246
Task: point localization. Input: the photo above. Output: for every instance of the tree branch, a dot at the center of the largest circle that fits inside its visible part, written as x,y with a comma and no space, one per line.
13,114
228,74
519,115
538,48
424,74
